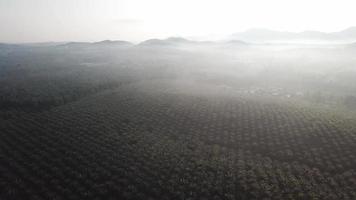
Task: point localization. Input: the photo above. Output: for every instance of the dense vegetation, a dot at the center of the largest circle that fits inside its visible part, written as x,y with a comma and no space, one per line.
133,144
130,124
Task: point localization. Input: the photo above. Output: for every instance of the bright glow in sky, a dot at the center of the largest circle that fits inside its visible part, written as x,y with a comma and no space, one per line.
136,20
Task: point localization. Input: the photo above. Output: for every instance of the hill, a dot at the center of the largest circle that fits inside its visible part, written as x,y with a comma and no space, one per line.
266,35
113,43
171,41
104,43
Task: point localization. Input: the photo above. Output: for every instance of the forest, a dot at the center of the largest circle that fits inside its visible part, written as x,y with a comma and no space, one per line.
177,119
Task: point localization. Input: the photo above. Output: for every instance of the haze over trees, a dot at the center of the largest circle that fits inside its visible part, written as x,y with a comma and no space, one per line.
179,119
177,100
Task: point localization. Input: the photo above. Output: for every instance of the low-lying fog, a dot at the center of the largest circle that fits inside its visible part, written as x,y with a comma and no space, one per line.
314,73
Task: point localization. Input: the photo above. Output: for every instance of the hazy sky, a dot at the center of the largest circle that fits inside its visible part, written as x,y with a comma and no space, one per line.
136,20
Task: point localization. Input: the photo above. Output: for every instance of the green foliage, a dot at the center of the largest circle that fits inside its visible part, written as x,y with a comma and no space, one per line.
125,145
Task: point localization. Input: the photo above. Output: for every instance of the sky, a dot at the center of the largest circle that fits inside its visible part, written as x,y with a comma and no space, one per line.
138,20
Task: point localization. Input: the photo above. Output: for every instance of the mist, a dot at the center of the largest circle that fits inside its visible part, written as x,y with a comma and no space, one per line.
171,100
314,74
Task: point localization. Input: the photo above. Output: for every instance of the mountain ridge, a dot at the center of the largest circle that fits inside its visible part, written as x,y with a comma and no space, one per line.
265,35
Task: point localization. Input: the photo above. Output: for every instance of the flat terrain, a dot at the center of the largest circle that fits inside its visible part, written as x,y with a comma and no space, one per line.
177,140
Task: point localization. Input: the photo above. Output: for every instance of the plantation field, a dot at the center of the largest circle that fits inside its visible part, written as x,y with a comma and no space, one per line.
160,139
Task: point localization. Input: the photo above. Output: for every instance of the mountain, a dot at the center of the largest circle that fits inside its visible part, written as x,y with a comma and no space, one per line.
235,42
179,41
154,42
352,45
266,35
42,44
75,44
11,47
171,41
347,33
113,43
104,43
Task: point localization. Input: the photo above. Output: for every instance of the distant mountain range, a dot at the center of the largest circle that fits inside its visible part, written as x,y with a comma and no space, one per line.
266,35
96,44
177,41
241,39
159,43
167,42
